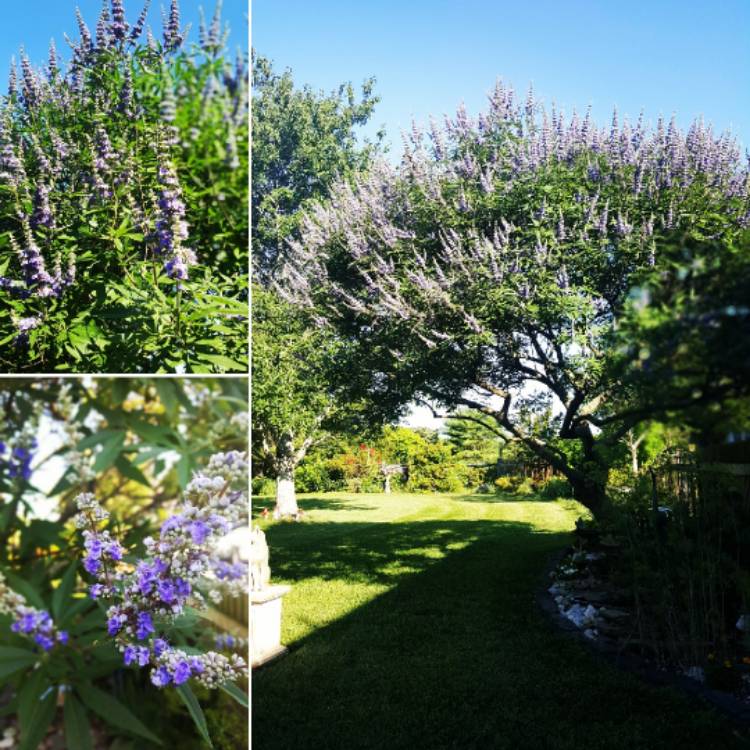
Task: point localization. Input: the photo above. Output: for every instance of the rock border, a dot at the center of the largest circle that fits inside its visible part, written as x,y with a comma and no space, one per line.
737,711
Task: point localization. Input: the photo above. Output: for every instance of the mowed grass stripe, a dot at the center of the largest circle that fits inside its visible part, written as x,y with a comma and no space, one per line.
420,629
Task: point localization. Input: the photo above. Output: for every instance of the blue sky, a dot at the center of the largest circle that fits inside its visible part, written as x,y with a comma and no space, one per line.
32,23
690,57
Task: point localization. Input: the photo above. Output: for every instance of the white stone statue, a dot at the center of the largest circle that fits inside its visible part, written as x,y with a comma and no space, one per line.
265,604
260,573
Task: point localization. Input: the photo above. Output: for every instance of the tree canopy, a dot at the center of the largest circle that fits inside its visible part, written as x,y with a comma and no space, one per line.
303,141
500,261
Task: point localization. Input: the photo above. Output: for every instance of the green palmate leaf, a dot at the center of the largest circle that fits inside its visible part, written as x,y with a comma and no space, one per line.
63,593
101,436
13,660
25,588
237,693
77,726
184,466
76,606
109,452
35,723
152,433
30,693
114,712
131,471
223,363
196,712
168,395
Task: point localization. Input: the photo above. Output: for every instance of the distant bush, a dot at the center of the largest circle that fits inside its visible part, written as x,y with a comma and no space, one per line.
508,483
262,486
556,487
527,487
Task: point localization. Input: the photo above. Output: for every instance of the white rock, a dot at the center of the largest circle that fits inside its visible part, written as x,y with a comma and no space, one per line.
576,614
696,673
743,623
590,612
591,633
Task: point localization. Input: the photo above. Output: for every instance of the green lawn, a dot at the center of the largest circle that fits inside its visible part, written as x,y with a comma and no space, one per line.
412,624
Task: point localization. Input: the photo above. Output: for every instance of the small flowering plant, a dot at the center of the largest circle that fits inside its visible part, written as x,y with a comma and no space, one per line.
137,613
147,595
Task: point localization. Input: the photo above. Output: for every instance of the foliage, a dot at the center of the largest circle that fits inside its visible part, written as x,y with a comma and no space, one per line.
555,488
430,463
123,205
289,368
683,531
359,467
474,438
491,269
684,327
303,141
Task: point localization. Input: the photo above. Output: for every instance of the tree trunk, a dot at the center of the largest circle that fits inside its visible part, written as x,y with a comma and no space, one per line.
286,463
634,457
590,493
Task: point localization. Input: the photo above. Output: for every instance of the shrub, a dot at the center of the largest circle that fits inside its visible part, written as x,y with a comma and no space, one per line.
508,483
262,486
526,487
556,487
123,206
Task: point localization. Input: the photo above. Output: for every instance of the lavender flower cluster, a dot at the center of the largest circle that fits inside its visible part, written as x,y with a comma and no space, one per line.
171,227
181,566
630,183
36,624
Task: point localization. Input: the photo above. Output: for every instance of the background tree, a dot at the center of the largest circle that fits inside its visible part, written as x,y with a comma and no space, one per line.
302,142
474,437
500,257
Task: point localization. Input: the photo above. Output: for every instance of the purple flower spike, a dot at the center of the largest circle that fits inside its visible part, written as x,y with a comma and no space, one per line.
119,27
173,37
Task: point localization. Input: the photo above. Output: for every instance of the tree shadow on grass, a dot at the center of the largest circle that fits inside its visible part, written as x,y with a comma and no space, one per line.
378,553
316,502
504,497
455,655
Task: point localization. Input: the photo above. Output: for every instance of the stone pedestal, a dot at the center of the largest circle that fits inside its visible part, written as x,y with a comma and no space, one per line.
265,624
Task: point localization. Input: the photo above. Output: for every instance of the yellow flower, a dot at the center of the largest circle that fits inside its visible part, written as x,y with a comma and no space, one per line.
727,663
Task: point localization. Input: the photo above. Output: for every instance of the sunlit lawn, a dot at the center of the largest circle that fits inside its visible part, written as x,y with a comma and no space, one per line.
412,623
